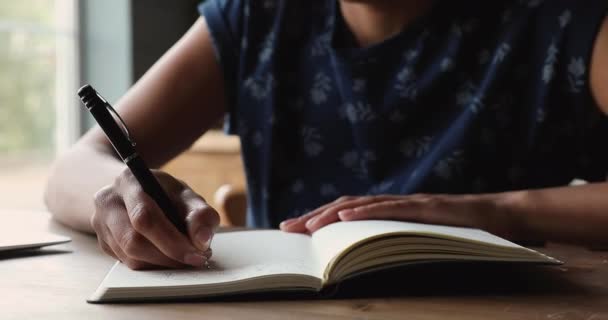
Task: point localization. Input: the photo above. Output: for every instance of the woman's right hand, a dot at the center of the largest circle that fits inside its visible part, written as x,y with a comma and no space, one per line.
132,228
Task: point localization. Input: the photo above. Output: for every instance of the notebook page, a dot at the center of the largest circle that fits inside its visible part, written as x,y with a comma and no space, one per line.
236,256
331,240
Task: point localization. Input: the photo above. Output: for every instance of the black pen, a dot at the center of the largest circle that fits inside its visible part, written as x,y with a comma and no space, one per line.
125,147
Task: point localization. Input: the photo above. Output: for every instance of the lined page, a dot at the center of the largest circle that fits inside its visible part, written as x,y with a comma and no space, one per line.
236,256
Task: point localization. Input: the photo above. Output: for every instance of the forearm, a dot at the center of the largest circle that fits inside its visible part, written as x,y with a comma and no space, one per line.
167,110
566,214
74,181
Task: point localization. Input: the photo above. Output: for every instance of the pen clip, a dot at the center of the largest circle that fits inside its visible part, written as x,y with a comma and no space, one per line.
122,122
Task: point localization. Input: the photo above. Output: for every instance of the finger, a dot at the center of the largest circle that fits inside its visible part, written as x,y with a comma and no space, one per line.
100,231
133,264
103,246
133,245
170,184
294,225
208,253
148,220
97,221
424,209
299,224
389,209
330,215
113,247
284,225
137,248
201,219
321,220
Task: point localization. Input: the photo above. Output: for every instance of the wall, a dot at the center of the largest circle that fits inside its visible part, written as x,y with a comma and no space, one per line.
157,25
106,46
121,39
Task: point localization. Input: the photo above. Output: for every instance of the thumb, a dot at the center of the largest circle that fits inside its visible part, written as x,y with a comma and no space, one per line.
201,220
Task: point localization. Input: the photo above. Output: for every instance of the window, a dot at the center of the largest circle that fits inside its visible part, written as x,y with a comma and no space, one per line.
38,109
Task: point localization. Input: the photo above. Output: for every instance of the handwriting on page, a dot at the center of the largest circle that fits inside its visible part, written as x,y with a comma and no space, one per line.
218,273
210,267
237,256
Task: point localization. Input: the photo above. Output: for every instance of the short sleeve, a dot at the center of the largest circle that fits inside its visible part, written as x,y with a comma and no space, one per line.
575,126
579,39
225,20
581,22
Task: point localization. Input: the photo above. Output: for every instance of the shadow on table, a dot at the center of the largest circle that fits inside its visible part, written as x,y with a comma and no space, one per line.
27,253
462,279
437,280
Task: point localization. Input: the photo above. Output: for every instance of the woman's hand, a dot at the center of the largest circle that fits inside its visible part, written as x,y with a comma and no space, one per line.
477,211
132,228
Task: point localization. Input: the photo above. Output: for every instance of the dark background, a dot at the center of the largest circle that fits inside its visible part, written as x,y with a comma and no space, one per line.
157,25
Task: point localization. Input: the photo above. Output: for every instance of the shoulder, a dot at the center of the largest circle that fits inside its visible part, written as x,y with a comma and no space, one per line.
599,68
255,19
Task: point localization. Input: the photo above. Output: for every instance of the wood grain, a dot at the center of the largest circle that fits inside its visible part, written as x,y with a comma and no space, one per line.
54,284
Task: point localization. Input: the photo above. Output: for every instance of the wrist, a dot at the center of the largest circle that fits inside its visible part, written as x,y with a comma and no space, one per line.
508,212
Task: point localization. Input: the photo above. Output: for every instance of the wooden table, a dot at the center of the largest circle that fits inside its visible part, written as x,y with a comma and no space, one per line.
54,283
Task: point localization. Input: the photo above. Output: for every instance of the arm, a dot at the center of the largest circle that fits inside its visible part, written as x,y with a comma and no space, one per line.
91,190
575,214
177,100
567,214
599,68
578,214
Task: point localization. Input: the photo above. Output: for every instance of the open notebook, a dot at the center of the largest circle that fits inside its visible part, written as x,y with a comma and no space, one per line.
271,260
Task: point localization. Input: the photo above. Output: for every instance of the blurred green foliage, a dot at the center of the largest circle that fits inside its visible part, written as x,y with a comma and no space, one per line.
27,76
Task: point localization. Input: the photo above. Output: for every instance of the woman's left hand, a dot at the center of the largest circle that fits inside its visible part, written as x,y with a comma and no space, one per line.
477,211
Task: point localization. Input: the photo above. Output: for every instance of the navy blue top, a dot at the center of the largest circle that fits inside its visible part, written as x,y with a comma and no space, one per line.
476,96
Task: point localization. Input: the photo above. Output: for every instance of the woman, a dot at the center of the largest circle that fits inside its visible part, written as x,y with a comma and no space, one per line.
463,113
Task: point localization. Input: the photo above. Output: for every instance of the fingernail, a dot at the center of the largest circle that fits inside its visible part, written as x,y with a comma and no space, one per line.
345,213
203,237
195,259
208,243
312,221
287,222
208,253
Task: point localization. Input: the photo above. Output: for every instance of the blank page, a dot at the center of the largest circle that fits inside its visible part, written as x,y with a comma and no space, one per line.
331,240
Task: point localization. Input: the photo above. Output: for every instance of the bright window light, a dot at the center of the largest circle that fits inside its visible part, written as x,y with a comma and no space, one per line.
38,108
